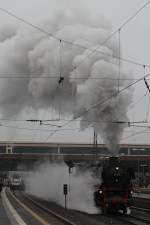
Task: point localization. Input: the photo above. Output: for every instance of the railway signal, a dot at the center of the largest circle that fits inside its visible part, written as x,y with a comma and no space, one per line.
65,189
65,193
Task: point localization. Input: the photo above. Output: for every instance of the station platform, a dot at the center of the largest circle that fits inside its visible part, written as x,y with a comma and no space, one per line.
3,216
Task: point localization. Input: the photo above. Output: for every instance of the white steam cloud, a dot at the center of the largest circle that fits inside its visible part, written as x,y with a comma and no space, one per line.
47,183
29,52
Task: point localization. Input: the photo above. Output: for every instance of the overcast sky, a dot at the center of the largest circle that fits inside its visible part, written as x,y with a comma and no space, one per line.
135,38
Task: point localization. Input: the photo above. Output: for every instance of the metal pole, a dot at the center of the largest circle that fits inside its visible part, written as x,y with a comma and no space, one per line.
143,175
65,201
138,172
69,184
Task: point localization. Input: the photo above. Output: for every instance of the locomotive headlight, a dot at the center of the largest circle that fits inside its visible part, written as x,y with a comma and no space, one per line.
100,191
117,168
131,191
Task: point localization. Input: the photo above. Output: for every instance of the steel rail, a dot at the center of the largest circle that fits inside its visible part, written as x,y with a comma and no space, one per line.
56,215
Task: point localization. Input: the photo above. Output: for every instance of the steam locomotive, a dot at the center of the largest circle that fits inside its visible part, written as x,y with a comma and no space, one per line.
115,192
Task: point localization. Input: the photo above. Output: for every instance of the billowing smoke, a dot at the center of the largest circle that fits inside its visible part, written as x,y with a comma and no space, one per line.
27,53
80,186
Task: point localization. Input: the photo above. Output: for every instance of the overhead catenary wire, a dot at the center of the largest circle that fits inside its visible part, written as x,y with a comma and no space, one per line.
66,129
138,101
35,129
102,102
71,78
141,64
56,120
131,121
48,130
115,31
76,44
138,132
42,121
140,126
133,105
113,95
106,121
135,134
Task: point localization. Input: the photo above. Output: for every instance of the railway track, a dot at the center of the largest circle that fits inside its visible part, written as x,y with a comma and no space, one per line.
59,217
140,221
139,216
125,220
73,217
141,209
133,220
40,213
76,217
140,201
67,217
